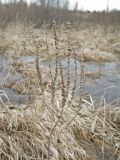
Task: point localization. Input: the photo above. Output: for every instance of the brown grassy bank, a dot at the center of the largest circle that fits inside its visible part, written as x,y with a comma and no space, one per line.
55,124
92,134
98,44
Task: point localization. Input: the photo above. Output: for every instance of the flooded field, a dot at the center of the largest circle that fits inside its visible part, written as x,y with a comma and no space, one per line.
101,79
7,74
59,80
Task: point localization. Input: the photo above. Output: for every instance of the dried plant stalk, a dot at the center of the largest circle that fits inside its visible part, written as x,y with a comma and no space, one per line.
47,49
39,74
53,85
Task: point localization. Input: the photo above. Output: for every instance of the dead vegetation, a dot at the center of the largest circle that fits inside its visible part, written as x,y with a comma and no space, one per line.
93,134
55,124
21,41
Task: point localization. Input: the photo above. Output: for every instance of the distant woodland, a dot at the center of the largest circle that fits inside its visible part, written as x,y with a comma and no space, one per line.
44,11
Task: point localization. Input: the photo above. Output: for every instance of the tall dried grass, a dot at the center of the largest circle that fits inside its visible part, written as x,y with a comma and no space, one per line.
24,134
56,125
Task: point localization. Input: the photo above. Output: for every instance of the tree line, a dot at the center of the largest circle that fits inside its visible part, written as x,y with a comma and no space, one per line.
44,11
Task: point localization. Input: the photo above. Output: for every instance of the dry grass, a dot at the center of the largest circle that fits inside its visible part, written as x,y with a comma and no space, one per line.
56,125
30,82
97,56
94,75
25,133
99,45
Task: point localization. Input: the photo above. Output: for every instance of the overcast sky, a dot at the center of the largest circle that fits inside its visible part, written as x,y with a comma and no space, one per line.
97,4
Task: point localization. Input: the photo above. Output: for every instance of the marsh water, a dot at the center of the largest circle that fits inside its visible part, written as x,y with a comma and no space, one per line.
8,75
101,79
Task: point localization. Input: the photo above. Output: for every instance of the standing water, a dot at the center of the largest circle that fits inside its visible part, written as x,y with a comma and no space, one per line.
101,79
7,76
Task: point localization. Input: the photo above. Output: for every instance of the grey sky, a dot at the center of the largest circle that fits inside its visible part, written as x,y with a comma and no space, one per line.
97,4
94,4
